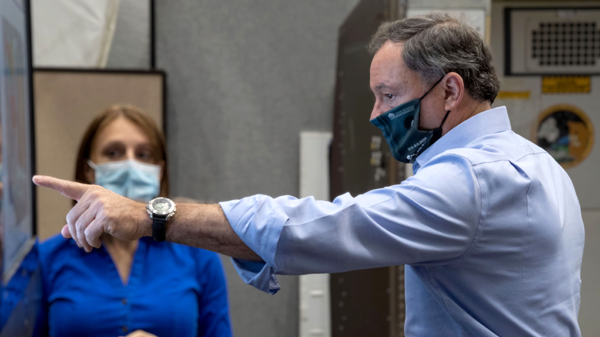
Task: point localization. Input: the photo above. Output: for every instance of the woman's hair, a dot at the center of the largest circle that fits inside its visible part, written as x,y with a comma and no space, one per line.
139,118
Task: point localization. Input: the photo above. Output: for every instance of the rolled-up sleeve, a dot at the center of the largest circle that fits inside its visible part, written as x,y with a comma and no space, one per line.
258,222
431,218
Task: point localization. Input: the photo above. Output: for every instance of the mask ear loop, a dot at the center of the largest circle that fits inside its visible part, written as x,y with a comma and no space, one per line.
443,120
425,94
436,83
437,133
447,112
91,164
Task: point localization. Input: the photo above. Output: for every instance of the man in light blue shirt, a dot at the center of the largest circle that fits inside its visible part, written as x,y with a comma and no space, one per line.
489,227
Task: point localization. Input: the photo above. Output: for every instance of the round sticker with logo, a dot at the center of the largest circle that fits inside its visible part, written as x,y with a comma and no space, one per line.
566,133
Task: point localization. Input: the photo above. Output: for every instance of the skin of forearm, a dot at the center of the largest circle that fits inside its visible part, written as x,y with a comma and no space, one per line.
206,227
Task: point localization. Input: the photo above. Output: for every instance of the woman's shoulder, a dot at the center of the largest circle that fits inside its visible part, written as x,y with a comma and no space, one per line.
58,249
56,244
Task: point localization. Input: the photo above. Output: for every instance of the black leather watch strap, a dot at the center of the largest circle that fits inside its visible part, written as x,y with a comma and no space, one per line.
159,228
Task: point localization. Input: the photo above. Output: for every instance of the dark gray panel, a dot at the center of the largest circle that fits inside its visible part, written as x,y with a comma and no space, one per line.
244,78
364,302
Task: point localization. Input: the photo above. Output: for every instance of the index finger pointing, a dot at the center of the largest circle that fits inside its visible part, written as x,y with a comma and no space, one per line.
69,189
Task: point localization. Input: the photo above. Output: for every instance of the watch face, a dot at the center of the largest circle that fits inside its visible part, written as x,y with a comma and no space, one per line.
161,205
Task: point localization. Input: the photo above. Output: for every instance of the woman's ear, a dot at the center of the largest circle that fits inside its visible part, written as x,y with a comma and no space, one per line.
162,170
90,174
455,89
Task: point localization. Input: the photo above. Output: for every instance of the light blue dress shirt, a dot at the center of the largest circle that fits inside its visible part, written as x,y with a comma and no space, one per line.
489,228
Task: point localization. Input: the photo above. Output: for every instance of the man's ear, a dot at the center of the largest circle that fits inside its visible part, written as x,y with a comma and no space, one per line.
455,90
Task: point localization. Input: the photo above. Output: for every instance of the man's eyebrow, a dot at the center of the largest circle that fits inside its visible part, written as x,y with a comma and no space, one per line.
381,86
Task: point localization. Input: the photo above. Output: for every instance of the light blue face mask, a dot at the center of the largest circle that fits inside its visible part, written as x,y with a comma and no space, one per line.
129,178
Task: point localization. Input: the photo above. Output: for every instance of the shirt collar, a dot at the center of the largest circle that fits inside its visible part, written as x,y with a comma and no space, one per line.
484,123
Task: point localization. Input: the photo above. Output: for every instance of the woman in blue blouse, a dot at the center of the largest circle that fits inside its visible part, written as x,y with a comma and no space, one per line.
139,288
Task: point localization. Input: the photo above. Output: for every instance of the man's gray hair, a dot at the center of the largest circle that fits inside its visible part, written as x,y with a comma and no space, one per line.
437,44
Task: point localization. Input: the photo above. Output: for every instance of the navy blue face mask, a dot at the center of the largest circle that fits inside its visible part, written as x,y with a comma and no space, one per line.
400,127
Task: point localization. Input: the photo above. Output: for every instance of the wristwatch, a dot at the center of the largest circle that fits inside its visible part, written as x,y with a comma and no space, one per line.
160,210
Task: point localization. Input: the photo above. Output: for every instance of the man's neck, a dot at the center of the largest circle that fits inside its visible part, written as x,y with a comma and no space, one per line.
467,109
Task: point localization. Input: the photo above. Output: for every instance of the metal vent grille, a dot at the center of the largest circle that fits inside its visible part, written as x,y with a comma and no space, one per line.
552,41
566,44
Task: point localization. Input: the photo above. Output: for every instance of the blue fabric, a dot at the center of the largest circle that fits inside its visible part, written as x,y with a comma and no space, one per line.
173,290
489,227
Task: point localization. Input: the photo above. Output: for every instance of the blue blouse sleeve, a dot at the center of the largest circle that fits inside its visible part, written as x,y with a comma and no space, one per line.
213,318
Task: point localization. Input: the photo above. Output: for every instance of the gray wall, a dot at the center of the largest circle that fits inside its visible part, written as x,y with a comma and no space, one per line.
244,78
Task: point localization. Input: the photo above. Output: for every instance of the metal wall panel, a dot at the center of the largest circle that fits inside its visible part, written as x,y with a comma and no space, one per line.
364,302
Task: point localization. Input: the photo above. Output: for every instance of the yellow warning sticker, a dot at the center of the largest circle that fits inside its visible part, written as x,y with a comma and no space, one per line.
566,84
514,95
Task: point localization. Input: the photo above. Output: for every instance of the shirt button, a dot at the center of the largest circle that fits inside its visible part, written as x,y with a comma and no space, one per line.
124,301
124,329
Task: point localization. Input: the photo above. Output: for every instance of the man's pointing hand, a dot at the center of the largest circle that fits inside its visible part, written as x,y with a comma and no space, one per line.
98,211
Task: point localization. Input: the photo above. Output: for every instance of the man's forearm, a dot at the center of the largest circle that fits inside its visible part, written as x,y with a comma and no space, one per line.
100,211
206,227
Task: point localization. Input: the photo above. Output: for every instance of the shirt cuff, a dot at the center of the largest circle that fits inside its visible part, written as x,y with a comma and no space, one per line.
257,274
258,221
